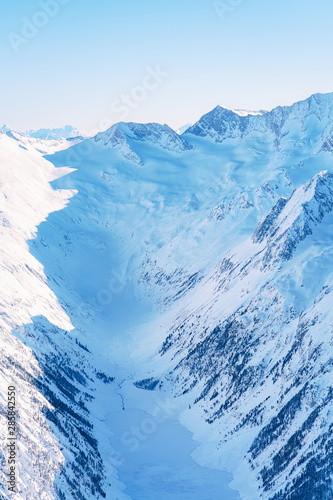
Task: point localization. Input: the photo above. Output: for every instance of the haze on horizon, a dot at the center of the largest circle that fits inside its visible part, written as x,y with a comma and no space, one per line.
91,65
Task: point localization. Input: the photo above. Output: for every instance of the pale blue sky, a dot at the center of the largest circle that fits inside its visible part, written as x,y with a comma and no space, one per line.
77,68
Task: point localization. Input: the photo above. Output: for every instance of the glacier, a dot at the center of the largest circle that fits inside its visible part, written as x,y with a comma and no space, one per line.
166,307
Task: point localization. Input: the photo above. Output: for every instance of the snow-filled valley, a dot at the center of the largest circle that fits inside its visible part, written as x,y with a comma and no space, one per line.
166,308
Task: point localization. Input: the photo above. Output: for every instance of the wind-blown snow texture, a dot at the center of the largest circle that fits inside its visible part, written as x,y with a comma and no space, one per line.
193,269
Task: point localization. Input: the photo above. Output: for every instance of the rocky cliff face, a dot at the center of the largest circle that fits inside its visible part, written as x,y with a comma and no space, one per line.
314,115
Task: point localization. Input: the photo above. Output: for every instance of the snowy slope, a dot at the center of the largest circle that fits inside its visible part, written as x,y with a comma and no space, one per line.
43,146
40,351
253,353
25,200
121,136
194,269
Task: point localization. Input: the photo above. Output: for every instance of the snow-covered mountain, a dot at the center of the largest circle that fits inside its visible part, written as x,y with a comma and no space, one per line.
55,134
172,278
183,128
122,135
303,119
255,354
5,129
44,145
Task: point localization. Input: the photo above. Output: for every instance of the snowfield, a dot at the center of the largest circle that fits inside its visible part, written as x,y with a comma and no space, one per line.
166,308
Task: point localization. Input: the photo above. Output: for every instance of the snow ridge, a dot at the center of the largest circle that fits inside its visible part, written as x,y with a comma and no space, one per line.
290,222
221,123
122,134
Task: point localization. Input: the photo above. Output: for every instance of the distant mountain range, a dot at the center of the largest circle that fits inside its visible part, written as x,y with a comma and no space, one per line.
55,134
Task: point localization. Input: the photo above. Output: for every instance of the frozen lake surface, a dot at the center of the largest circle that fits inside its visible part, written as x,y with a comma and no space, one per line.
156,464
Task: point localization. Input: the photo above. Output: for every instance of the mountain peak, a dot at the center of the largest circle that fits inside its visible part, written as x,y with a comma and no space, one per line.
5,129
218,124
123,134
221,123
